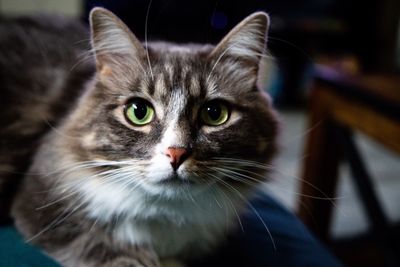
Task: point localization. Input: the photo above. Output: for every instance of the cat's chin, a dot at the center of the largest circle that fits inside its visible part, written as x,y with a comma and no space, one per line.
174,180
174,188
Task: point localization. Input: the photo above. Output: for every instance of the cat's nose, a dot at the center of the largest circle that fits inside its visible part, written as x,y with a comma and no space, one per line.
176,155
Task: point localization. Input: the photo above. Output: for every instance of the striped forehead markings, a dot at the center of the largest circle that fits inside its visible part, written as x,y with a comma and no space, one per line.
172,76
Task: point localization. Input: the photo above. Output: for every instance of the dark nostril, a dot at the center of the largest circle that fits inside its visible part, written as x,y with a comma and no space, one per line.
176,155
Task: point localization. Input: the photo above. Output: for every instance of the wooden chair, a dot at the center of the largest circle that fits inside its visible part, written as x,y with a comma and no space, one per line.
340,104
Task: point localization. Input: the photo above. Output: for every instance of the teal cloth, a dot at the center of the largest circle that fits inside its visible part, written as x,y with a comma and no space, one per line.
14,252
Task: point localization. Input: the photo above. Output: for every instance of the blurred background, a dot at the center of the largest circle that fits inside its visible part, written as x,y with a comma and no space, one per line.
315,44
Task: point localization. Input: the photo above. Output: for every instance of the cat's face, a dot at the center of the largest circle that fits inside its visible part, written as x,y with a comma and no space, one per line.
175,118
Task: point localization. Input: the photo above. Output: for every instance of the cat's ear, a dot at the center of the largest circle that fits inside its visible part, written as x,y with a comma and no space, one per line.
246,41
113,43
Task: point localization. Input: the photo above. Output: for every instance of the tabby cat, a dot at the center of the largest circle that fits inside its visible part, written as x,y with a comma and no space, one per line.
139,155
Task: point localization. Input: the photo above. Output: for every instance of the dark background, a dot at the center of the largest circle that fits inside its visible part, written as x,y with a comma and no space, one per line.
363,32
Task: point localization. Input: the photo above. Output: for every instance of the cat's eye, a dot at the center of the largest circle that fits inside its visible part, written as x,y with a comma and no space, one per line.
214,113
139,112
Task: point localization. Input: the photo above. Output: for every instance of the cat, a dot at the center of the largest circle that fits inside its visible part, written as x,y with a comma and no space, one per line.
150,151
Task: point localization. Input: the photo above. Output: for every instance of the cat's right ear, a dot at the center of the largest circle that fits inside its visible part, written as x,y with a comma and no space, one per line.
114,45
246,41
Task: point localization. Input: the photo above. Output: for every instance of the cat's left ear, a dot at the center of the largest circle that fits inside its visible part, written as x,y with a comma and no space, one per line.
246,41
115,47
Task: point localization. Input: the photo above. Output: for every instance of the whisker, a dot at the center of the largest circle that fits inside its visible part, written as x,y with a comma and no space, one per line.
106,176
269,167
55,222
234,190
303,133
145,38
234,209
228,169
94,225
219,59
298,48
54,129
85,56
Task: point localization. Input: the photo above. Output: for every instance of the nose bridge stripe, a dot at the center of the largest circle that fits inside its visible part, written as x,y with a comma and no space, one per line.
173,134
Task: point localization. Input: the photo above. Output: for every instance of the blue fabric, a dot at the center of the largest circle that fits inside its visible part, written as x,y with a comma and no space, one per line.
294,245
14,252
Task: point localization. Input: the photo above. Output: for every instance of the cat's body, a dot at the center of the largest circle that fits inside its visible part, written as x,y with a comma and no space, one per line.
39,81
160,151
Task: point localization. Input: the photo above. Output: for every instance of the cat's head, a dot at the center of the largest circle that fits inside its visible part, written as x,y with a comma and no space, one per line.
168,119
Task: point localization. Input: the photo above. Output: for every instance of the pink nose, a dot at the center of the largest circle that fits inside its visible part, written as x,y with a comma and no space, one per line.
177,156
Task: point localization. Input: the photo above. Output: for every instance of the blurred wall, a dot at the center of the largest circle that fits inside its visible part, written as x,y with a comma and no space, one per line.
19,7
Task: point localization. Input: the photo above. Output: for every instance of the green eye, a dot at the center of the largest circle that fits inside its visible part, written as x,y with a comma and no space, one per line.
214,113
139,112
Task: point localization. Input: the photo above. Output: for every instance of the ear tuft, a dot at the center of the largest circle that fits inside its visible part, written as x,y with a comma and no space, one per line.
246,40
110,37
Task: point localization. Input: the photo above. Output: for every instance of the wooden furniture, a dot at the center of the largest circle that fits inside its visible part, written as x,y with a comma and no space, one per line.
340,104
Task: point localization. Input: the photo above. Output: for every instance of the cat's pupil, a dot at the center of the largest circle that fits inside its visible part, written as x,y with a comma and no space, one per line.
214,111
140,110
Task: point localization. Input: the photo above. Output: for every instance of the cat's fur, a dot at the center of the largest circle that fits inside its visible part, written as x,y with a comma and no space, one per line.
38,85
99,191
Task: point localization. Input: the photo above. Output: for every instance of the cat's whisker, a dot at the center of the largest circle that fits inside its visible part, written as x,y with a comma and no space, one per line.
233,171
298,48
114,177
127,181
106,50
99,163
235,177
67,168
75,190
57,201
234,190
304,181
82,41
262,166
298,136
94,224
145,38
55,222
216,201
256,213
266,167
54,129
282,188
88,165
224,207
325,197
244,162
234,209
218,60
84,57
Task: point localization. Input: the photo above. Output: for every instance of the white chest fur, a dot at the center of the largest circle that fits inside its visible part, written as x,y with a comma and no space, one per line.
172,226
169,239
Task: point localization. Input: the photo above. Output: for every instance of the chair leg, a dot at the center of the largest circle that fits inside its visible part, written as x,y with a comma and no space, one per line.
365,189
320,166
